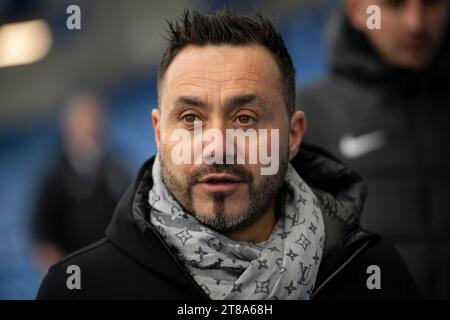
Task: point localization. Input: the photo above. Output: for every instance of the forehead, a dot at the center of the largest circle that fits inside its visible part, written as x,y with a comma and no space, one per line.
218,70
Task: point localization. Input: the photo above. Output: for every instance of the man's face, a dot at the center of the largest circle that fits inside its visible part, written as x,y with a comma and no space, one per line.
223,87
411,30
83,125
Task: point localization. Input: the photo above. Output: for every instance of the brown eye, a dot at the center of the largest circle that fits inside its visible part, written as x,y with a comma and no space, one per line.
245,119
189,118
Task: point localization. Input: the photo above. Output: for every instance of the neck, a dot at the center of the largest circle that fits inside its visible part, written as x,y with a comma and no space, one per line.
258,231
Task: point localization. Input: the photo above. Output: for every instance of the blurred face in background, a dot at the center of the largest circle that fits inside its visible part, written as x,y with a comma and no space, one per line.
224,87
411,32
83,126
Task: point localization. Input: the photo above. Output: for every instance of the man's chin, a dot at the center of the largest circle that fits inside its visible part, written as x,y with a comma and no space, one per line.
230,214
223,219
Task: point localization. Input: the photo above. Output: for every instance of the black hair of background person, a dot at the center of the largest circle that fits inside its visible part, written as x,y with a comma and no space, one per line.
408,176
134,262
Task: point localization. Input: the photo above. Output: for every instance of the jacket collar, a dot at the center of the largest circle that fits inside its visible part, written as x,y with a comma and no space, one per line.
340,191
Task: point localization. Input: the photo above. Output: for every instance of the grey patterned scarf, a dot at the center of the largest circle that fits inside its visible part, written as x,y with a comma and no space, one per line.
282,267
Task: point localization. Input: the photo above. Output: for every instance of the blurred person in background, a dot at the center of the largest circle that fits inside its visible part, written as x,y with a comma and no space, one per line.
385,105
78,197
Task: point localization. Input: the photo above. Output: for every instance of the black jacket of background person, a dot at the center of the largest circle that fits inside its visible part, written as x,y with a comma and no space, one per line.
74,209
133,262
408,176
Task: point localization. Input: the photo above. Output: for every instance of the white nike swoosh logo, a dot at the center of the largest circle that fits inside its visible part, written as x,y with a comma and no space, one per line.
353,147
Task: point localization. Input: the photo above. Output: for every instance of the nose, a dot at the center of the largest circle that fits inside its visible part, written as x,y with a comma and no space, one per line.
214,140
413,16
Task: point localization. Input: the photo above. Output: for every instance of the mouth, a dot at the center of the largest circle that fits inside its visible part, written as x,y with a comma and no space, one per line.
419,45
220,178
222,182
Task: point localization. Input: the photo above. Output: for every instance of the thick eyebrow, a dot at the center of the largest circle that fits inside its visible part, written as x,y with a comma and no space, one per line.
231,105
184,101
242,100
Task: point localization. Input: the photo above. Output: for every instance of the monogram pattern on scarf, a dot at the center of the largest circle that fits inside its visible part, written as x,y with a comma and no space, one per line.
283,267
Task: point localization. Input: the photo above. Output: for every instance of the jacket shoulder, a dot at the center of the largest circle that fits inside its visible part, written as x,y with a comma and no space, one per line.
325,85
378,272
335,94
93,264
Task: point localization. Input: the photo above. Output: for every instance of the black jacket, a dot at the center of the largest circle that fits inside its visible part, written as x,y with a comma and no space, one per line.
402,117
73,209
133,262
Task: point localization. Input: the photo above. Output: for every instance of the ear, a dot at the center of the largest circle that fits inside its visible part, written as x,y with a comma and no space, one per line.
296,132
155,120
356,13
